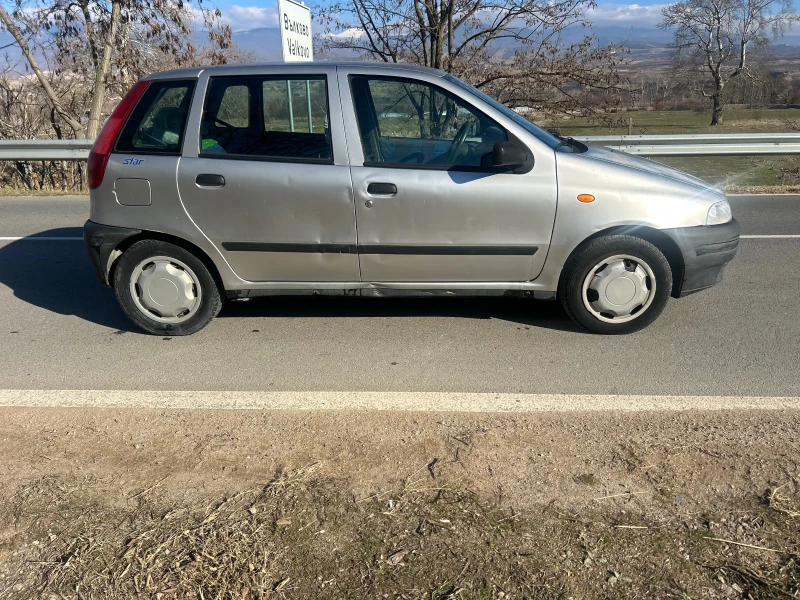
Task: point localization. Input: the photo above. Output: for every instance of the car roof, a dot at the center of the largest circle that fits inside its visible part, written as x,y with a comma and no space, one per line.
277,67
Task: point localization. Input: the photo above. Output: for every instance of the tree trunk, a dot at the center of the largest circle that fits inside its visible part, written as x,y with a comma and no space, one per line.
717,108
717,105
101,69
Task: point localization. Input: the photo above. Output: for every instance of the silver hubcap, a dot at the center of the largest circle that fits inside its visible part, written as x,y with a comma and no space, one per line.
619,289
165,289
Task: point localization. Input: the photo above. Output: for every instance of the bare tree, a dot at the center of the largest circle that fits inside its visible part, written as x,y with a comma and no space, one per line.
719,35
100,37
513,49
26,114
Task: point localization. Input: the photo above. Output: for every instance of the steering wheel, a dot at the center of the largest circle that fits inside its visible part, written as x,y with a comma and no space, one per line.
223,123
418,155
229,129
154,139
458,142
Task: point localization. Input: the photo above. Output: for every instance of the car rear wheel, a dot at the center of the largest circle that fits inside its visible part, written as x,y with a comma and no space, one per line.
165,289
616,284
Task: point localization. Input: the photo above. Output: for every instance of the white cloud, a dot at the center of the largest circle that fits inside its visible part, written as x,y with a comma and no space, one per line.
626,14
242,18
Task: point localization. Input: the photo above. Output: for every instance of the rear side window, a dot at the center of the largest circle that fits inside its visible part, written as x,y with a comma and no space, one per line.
158,122
267,117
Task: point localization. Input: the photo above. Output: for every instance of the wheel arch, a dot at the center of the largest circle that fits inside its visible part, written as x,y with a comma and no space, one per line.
658,238
171,239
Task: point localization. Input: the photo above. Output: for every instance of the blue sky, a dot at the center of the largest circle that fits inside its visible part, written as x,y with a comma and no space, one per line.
244,14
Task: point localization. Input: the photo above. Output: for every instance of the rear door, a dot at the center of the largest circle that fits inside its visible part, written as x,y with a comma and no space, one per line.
429,205
265,175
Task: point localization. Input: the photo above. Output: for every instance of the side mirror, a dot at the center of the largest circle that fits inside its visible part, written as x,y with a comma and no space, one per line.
512,154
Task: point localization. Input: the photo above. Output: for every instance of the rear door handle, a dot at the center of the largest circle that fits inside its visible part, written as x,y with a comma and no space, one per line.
210,180
382,189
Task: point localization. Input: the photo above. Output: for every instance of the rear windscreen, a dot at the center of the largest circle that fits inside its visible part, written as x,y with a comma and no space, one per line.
157,124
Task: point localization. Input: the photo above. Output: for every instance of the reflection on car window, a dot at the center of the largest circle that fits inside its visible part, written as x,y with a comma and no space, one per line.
234,109
535,130
404,121
157,123
269,117
307,112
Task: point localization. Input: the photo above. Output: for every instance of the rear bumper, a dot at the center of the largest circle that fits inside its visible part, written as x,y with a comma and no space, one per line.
706,250
101,241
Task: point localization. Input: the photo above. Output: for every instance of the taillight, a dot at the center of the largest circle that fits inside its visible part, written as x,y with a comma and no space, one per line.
101,150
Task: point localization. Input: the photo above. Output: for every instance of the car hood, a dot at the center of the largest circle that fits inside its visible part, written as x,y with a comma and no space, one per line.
651,167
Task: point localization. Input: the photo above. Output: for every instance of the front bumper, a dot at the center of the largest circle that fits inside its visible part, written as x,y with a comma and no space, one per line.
101,241
706,250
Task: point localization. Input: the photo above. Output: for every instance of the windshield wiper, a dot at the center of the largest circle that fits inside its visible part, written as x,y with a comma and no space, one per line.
562,140
566,141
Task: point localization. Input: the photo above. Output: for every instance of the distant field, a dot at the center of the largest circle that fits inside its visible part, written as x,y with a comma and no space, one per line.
736,120
732,173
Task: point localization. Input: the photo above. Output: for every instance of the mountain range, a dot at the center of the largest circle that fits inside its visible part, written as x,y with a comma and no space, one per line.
643,40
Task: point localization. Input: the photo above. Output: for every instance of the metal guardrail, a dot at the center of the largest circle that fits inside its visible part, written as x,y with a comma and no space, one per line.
707,144
704,144
45,149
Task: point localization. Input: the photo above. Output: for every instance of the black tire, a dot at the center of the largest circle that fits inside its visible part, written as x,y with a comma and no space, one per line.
210,299
584,261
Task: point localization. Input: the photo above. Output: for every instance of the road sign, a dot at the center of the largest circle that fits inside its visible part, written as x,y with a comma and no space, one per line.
295,24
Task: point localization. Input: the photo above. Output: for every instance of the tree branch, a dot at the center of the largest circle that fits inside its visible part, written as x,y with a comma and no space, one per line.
29,56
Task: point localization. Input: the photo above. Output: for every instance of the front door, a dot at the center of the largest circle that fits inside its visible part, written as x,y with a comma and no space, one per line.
265,186
430,206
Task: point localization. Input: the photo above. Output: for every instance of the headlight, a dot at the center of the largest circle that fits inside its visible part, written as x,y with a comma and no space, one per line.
719,213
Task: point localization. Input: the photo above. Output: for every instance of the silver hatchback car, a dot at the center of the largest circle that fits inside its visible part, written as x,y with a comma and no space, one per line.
374,179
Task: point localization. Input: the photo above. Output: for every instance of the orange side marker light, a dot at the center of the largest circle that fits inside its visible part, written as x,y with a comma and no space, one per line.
585,198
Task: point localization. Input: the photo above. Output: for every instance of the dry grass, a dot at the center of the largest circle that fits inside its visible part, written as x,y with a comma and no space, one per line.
305,535
780,499
7,191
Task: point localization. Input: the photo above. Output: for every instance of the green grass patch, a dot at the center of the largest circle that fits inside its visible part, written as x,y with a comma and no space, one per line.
740,173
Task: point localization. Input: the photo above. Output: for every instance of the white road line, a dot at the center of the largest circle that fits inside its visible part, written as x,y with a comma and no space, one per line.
386,401
32,238
777,236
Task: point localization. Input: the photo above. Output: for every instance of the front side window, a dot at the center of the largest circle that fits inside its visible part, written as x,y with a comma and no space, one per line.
266,117
408,122
157,123
531,128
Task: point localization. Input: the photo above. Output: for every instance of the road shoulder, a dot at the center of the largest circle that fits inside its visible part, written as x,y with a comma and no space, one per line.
582,504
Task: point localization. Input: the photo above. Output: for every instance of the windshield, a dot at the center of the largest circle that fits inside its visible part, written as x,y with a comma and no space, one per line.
535,130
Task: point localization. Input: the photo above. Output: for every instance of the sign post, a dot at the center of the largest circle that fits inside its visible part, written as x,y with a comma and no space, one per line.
295,26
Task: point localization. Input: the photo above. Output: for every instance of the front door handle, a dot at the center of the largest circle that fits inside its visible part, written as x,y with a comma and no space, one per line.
382,189
210,180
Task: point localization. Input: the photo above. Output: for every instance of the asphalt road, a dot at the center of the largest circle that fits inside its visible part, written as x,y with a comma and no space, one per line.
60,330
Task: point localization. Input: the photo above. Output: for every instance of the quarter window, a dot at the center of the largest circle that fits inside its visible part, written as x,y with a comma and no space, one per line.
157,123
266,117
408,122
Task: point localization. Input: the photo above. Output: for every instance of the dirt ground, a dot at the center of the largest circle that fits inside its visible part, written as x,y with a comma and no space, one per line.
110,503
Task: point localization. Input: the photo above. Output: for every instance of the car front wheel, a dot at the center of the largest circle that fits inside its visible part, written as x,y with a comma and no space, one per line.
616,284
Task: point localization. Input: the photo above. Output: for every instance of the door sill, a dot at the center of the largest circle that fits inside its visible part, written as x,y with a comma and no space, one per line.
394,290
